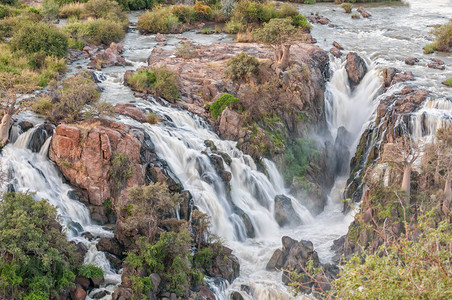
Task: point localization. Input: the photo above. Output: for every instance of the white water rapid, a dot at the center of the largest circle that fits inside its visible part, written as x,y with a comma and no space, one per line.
34,172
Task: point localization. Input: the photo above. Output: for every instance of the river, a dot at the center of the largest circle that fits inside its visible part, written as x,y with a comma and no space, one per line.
394,32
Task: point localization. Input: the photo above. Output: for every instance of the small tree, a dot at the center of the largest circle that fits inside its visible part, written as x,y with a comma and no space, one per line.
401,155
279,34
148,206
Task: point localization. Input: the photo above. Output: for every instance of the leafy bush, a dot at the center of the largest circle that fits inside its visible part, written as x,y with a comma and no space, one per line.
50,9
40,37
161,81
90,271
4,11
153,118
170,257
222,102
448,82
37,260
104,9
76,92
76,9
159,20
96,31
120,171
309,2
138,4
404,269
347,7
443,37
242,66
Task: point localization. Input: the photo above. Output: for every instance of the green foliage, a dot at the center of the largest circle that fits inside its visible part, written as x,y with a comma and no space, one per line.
248,14
5,11
95,31
140,285
275,32
403,269
161,81
159,20
153,118
121,170
309,2
205,256
430,48
77,91
298,155
170,256
221,103
50,9
242,66
40,38
37,260
90,271
448,82
347,7
443,37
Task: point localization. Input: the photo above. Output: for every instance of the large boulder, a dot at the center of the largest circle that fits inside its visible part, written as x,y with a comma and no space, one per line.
224,265
356,68
84,152
284,212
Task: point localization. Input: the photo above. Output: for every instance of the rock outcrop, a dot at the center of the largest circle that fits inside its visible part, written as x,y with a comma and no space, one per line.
294,257
109,57
356,68
84,154
284,212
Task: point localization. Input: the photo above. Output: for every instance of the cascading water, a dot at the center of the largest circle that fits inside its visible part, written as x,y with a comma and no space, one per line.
180,141
33,172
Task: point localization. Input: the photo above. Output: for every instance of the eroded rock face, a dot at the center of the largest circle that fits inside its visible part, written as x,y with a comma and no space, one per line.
84,153
224,265
356,68
392,76
294,256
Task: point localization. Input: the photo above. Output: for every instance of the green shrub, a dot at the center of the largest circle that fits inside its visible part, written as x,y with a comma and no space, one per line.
96,31
159,20
161,81
448,82
138,4
186,13
207,31
153,118
140,286
309,2
90,271
430,48
347,7
40,37
443,37
104,9
77,91
170,257
221,103
75,9
301,21
121,170
4,11
37,260
407,268
50,9
242,66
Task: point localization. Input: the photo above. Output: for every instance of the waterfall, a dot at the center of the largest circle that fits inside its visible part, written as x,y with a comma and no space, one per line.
181,144
349,108
34,172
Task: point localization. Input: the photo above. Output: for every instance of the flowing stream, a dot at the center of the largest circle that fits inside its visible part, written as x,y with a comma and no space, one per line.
393,32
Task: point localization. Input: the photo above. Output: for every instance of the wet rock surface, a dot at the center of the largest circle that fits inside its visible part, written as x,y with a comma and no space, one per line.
109,57
356,68
284,212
